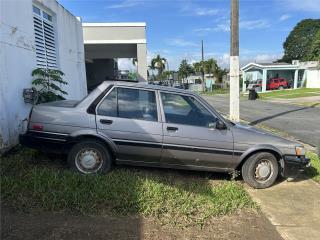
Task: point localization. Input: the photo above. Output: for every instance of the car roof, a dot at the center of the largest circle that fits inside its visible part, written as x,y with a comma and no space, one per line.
144,85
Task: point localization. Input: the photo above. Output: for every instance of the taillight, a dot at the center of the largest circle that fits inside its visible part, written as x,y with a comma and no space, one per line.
37,127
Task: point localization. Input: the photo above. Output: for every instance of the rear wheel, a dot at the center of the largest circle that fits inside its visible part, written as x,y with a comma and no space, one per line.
281,88
89,157
260,170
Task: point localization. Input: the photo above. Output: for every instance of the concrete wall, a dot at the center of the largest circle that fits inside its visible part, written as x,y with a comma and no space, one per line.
253,75
120,31
313,78
18,59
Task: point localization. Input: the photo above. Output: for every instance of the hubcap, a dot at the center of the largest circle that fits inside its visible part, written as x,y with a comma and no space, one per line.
264,171
88,160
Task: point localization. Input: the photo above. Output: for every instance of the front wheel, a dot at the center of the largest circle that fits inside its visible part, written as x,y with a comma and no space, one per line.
89,157
260,170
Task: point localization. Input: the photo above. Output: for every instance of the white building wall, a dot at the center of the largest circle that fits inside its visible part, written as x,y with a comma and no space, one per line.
313,78
18,59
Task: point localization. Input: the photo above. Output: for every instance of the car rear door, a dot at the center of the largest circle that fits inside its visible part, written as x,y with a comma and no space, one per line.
190,136
130,117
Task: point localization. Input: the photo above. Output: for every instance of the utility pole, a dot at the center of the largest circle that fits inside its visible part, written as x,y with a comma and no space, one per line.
234,62
202,66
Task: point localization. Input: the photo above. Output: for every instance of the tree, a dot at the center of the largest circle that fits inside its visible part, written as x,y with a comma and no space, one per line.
219,73
210,66
197,66
314,53
158,63
298,43
46,80
185,69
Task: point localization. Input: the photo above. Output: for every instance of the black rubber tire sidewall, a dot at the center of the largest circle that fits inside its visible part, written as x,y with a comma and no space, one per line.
249,166
106,157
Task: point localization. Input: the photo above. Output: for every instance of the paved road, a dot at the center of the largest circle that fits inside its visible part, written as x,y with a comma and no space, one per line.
300,122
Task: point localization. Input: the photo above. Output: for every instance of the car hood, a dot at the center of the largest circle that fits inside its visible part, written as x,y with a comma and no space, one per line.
246,136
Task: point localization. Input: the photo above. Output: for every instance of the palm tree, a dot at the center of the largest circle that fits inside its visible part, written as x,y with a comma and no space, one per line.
185,69
197,67
158,63
210,66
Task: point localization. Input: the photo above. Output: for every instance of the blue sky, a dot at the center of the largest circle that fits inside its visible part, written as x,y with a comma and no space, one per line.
175,28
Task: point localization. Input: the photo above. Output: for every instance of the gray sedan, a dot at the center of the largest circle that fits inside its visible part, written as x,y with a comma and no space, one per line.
149,125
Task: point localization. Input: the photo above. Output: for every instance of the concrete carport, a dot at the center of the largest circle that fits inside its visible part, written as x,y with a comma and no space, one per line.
104,43
294,73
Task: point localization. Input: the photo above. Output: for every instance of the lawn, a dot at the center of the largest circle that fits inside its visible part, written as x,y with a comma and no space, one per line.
289,94
31,181
216,91
314,170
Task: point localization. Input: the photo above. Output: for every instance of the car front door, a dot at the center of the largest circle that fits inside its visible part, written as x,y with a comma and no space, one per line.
130,117
190,134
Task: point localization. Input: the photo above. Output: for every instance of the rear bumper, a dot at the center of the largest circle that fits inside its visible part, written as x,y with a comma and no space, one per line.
291,165
44,141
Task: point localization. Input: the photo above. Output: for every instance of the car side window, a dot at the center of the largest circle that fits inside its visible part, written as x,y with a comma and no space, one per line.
137,104
108,107
130,103
180,109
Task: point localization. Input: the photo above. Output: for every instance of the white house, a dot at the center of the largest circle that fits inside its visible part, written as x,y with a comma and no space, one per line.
42,33
298,73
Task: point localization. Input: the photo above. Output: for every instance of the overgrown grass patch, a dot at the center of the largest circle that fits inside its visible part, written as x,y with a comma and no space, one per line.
290,93
314,170
216,91
30,181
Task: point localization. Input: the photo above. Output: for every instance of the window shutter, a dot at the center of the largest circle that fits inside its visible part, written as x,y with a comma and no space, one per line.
44,42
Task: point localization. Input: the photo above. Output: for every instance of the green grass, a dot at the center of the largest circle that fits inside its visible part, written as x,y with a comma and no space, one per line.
216,91
30,181
314,170
289,94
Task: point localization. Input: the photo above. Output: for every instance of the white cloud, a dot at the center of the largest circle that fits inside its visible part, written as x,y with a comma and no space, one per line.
178,42
254,24
284,17
243,24
125,4
267,57
126,64
302,5
222,27
205,11
191,10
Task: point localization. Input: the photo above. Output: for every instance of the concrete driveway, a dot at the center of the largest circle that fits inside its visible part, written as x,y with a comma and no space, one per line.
301,122
292,207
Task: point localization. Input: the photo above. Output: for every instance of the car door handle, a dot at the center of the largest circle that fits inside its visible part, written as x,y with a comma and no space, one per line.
172,129
106,121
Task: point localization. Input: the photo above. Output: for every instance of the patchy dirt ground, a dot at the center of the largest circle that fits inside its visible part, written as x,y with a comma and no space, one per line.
246,225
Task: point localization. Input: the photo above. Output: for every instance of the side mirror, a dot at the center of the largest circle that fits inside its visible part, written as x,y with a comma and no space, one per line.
220,125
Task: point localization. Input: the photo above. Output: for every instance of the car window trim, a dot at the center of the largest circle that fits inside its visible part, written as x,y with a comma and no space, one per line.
129,87
187,95
92,109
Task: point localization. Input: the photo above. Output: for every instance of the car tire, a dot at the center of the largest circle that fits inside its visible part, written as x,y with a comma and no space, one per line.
260,170
89,157
281,88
